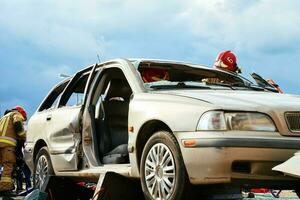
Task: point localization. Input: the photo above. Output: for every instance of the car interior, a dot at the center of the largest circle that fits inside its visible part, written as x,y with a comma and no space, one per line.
111,106
181,73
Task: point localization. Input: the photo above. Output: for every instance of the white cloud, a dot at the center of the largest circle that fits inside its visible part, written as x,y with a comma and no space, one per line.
82,28
49,37
261,25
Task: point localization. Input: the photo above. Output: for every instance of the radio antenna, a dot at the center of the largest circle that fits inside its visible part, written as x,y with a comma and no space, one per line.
98,58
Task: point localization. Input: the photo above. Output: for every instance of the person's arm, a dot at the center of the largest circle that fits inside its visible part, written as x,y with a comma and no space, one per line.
18,125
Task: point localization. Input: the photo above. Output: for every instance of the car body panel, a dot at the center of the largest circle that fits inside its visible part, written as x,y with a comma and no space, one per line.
64,136
216,152
36,127
291,166
273,104
210,161
150,106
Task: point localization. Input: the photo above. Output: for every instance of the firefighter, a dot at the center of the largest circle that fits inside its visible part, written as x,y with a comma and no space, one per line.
154,74
21,168
11,129
275,85
227,61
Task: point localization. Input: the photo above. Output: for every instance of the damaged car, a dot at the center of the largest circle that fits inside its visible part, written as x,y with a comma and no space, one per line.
170,124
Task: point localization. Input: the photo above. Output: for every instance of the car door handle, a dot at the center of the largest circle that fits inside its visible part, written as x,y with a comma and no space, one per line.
49,117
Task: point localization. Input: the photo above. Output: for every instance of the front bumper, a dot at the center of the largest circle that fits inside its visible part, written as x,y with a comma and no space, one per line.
218,157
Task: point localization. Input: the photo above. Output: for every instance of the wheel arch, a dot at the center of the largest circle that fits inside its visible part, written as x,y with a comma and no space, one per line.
145,132
39,144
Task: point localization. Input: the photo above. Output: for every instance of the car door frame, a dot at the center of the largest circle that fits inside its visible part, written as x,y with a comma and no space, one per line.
68,159
89,133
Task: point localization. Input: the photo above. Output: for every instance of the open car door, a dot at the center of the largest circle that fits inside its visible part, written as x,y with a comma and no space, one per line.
105,117
64,123
90,140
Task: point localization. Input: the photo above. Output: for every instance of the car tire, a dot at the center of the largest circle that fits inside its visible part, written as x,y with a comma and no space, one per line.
165,179
297,191
43,169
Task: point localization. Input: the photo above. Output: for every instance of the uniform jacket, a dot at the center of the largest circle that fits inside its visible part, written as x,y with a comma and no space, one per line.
11,129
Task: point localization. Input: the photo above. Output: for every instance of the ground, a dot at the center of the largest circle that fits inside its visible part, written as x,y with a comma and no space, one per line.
287,194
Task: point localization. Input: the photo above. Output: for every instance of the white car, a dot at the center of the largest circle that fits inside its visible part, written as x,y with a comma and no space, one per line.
176,125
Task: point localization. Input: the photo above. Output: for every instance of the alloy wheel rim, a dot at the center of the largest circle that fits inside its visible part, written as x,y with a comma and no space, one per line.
41,172
160,171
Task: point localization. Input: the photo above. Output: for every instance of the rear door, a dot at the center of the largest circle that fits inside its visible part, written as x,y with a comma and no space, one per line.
38,122
63,123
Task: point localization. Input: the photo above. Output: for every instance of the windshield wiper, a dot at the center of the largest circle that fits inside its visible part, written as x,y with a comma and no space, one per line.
179,85
236,85
222,84
252,86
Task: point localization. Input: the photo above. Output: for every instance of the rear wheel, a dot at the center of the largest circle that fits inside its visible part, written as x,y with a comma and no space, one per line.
42,169
162,170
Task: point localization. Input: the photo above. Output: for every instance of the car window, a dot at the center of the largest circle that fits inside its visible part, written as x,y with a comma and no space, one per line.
75,95
75,99
183,73
52,99
56,101
177,76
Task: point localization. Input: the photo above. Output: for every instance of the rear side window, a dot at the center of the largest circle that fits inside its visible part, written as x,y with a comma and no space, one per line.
54,96
75,94
75,99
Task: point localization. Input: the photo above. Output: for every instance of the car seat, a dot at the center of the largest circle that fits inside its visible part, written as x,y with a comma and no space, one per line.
115,139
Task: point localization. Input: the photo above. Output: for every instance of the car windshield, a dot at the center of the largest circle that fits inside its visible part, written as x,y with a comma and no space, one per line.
157,76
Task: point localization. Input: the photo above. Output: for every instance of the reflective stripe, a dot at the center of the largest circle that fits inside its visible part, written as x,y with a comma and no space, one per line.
6,179
21,133
8,140
3,125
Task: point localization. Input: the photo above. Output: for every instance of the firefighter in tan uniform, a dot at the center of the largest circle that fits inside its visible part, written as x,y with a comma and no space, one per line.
11,129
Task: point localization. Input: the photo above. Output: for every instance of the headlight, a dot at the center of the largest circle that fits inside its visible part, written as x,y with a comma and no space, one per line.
211,121
249,122
241,121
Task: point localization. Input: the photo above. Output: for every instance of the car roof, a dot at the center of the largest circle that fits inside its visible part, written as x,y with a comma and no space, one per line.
145,60
137,61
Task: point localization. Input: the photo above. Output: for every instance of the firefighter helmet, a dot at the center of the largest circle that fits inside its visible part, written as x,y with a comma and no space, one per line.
226,60
22,111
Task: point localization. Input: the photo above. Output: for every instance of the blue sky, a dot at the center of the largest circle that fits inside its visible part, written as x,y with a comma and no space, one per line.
40,39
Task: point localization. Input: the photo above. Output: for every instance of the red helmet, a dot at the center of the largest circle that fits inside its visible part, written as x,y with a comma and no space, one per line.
22,111
226,60
154,74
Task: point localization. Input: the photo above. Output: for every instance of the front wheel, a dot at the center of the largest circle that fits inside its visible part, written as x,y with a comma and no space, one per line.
297,191
42,169
162,170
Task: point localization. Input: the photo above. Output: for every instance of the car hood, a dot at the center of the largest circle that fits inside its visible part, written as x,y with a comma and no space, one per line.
242,100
